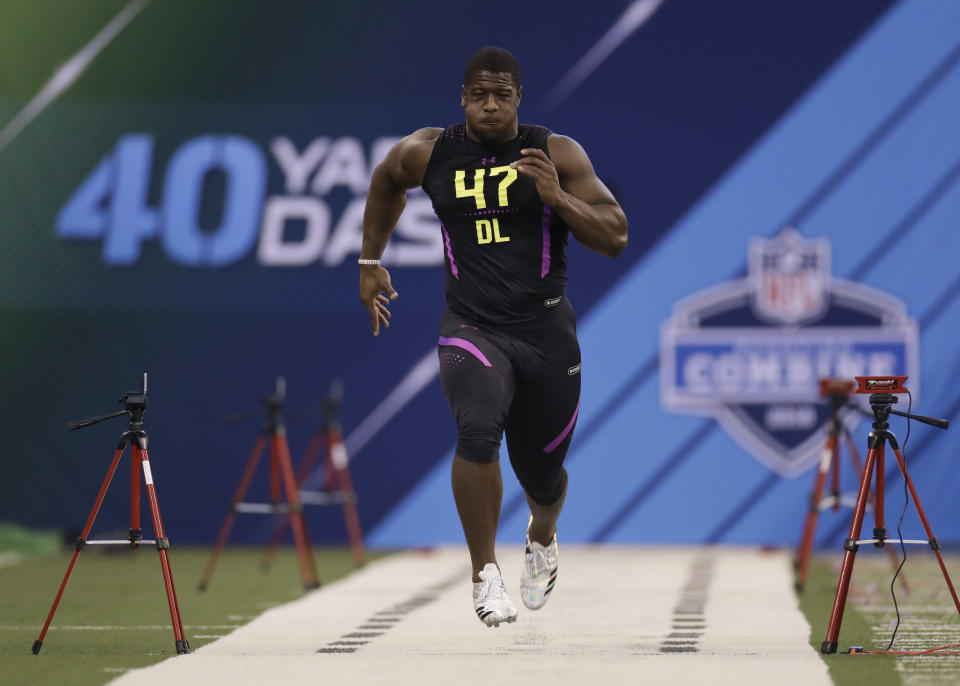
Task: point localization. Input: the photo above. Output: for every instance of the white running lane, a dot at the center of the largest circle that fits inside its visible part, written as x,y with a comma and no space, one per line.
619,615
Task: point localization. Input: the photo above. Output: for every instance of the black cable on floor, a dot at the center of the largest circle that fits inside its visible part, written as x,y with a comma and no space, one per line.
903,548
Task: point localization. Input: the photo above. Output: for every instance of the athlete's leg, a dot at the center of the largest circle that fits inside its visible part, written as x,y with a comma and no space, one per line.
539,428
543,518
478,491
541,420
478,382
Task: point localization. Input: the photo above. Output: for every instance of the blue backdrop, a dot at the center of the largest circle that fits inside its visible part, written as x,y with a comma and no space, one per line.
189,205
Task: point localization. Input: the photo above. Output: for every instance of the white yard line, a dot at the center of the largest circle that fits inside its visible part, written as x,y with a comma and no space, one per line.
408,619
10,558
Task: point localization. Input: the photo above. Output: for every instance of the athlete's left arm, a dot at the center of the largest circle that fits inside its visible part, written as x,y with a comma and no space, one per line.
567,183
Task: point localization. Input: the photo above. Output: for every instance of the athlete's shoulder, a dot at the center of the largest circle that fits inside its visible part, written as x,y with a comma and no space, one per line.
563,144
408,159
427,133
419,140
568,155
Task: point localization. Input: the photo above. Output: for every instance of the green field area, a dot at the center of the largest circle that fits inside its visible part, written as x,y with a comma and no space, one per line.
928,619
114,614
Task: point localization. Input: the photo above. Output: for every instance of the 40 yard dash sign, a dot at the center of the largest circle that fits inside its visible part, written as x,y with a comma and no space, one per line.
750,352
219,199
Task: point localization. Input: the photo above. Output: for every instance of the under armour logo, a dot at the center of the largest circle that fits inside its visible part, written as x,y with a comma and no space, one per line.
487,160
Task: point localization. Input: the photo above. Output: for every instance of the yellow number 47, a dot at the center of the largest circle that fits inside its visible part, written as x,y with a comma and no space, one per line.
477,191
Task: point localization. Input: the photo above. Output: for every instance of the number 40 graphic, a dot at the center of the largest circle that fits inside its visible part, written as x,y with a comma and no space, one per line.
112,202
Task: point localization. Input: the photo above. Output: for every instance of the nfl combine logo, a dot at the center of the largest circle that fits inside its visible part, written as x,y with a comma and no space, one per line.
750,352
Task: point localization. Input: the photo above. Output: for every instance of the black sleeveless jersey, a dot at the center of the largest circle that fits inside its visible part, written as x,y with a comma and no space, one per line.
504,249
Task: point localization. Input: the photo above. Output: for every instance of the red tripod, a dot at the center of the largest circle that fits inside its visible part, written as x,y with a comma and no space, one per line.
281,471
135,405
838,392
337,486
881,390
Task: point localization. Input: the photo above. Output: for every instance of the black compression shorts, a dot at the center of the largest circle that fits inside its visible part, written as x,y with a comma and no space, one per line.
522,381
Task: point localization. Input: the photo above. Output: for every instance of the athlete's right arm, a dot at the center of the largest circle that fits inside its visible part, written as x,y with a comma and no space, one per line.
403,168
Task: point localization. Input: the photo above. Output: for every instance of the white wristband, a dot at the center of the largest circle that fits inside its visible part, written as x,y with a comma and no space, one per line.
365,261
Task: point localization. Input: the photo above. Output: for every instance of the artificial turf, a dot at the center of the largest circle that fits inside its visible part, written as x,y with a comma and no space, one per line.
114,614
869,616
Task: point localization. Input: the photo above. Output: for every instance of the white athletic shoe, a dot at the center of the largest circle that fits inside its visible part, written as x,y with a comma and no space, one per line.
539,573
490,598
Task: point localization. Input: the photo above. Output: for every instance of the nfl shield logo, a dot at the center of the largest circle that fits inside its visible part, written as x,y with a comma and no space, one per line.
790,276
750,352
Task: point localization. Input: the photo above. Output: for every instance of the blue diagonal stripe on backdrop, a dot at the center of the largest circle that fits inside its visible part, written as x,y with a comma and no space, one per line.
900,230
676,459
903,227
883,130
843,170
945,299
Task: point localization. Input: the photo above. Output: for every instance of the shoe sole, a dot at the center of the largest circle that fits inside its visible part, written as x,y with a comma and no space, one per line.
493,620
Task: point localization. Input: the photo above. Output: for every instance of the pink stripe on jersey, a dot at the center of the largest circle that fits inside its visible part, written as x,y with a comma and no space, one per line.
469,347
551,446
545,259
453,265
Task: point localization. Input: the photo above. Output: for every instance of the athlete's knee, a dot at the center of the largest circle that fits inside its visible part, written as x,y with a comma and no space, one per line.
479,434
546,493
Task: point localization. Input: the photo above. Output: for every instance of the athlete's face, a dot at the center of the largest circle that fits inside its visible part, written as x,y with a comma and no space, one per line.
490,101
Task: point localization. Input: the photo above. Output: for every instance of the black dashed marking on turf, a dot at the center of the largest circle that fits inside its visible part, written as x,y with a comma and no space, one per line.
688,612
382,621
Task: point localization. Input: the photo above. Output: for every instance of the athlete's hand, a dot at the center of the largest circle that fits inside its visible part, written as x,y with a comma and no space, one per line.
541,169
374,283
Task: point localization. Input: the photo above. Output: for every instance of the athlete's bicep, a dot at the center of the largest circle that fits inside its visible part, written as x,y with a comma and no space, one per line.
576,173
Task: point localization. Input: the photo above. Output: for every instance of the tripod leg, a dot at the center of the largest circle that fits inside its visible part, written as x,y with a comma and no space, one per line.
858,469
275,496
163,546
835,475
136,532
880,528
854,453
850,550
308,569
80,543
340,462
827,457
303,472
934,544
232,513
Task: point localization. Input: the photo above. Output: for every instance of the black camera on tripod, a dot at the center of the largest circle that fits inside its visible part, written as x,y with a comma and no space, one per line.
882,390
